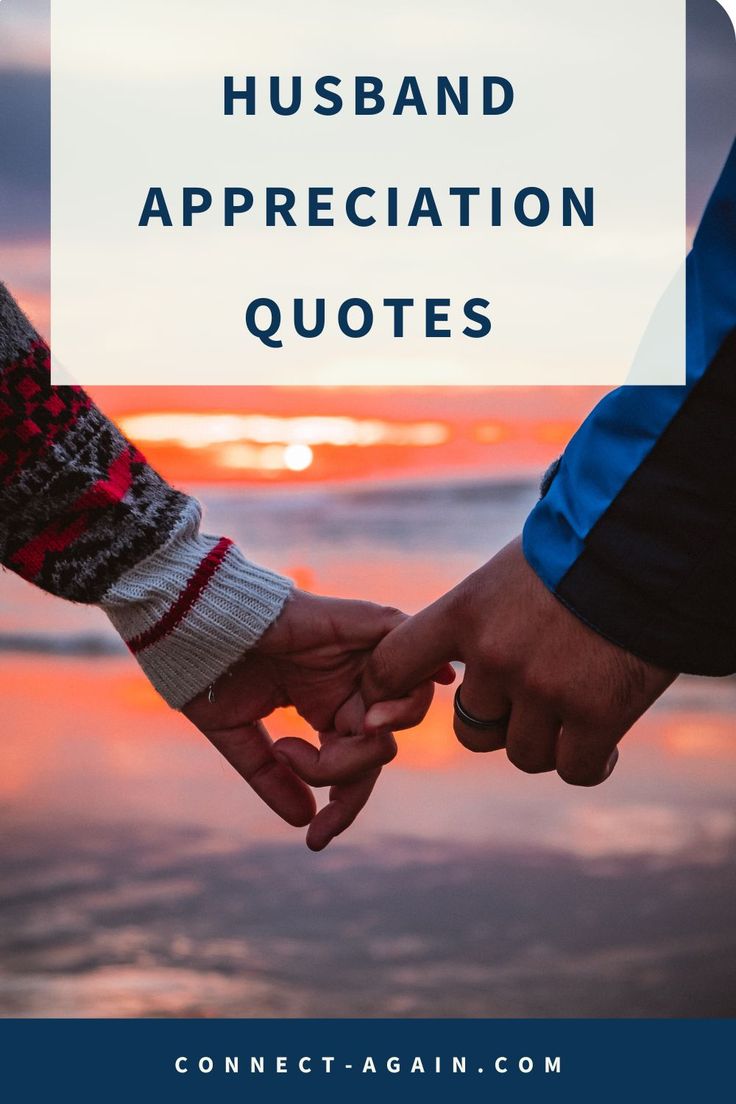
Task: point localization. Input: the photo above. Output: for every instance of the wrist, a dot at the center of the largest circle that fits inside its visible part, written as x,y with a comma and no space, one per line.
299,609
192,609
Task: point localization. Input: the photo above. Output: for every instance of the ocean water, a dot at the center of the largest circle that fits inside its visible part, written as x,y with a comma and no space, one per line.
140,877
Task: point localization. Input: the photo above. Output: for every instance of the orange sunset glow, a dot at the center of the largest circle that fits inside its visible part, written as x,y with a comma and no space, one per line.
331,434
362,440
141,875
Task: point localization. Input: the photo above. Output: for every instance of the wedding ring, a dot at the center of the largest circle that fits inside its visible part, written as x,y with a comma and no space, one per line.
499,724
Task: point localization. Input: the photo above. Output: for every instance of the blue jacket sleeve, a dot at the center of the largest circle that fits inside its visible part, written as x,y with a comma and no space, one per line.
636,533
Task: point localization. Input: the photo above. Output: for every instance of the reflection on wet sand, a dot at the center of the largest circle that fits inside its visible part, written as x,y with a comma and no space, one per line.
169,921
141,877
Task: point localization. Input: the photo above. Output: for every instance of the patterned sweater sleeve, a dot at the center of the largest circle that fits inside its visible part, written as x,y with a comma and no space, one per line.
83,516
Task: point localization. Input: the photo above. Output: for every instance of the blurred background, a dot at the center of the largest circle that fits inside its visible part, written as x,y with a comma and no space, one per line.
140,877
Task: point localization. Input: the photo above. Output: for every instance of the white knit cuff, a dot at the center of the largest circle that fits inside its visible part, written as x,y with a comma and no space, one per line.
192,609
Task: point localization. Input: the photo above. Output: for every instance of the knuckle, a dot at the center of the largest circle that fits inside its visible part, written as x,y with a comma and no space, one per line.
309,773
494,656
526,759
414,718
536,685
393,613
388,751
478,742
262,771
379,670
581,775
418,704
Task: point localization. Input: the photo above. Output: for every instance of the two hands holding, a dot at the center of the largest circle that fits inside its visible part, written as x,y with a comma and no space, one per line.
538,683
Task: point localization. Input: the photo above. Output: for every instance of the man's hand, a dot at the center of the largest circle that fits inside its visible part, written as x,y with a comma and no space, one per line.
312,657
568,693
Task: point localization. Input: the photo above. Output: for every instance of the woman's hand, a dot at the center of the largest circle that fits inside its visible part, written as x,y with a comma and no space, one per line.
312,658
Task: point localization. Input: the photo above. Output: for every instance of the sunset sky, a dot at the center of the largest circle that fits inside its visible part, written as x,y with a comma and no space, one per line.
142,878
327,433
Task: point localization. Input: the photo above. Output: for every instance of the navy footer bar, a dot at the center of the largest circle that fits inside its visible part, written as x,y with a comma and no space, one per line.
366,1060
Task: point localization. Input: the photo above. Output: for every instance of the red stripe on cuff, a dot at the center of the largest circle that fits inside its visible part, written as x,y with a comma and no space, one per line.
185,601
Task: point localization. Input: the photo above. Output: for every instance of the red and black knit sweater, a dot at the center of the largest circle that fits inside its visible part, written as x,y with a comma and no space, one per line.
83,516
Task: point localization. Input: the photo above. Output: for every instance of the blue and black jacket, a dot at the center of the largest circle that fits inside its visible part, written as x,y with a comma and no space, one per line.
636,533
